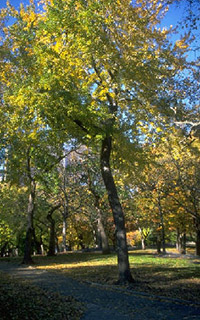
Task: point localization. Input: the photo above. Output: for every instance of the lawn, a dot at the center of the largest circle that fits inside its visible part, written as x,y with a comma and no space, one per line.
171,276
163,275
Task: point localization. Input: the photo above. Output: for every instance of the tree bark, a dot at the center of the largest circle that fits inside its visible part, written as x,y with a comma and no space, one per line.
198,237
183,243
3,249
142,239
162,225
158,244
178,241
52,236
143,243
102,233
65,214
65,208
37,243
102,237
64,228
29,232
118,215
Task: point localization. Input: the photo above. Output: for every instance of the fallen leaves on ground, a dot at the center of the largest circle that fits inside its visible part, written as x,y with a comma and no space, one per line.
21,300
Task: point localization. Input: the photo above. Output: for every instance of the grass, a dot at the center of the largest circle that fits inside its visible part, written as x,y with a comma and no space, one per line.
176,277
21,300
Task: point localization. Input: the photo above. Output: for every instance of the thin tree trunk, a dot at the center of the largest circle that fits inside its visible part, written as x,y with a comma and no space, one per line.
162,225
143,243
51,251
64,228
65,208
52,236
4,169
29,232
142,239
3,249
183,243
65,214
178,241
103,239
97,240
158,244
37,244
198,237
102,233
120,232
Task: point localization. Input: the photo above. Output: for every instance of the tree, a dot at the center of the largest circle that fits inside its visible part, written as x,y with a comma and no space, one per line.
97,70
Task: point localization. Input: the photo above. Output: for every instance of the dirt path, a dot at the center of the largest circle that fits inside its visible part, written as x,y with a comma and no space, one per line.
104,303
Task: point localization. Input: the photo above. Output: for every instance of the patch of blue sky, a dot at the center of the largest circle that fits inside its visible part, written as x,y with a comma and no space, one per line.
15,3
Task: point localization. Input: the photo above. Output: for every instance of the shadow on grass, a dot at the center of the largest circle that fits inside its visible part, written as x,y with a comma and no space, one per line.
74,257
160,275
179,283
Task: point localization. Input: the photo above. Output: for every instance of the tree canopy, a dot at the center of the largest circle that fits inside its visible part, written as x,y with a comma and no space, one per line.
99,74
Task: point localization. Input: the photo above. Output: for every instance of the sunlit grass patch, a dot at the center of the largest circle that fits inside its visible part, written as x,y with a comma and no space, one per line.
157,274
167,275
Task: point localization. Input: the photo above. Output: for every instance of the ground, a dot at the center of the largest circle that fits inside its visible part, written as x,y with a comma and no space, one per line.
166,287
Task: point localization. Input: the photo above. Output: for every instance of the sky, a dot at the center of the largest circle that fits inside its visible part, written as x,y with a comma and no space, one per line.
173,17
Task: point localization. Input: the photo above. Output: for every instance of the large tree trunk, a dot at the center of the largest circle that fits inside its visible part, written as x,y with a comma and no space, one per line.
120,232
29,232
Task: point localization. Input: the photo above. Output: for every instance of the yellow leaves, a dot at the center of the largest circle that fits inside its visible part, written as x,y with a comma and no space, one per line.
29,51
29,17
58,46
181,44
33,135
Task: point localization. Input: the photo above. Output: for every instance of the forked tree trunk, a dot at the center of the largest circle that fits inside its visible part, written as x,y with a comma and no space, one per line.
120,232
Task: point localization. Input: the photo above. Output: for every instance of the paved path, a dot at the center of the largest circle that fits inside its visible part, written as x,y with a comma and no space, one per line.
106,304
